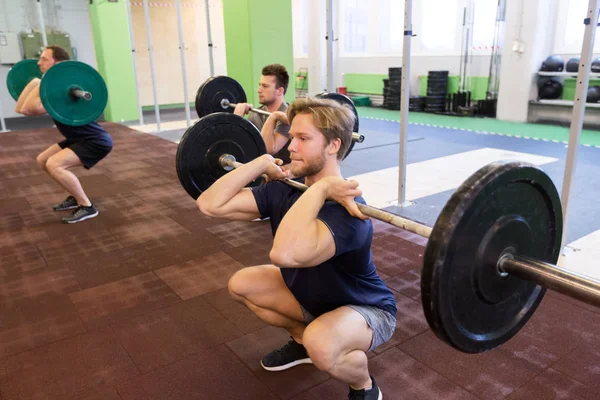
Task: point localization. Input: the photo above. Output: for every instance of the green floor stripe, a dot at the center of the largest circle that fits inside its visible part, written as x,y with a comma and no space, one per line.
556,134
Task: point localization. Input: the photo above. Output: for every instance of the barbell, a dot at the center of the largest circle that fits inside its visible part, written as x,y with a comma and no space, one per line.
222,94
490,255
72,92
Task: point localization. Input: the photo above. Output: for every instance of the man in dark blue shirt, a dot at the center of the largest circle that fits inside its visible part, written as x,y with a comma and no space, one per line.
83,146
322,286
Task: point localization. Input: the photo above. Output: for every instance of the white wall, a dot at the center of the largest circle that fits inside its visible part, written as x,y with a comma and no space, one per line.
70,16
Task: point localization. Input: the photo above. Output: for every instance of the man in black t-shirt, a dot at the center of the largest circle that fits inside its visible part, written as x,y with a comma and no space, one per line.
83,146
322,287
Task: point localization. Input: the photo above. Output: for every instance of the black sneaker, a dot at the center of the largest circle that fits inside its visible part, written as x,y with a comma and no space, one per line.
81,214
288,356
372,394
68,204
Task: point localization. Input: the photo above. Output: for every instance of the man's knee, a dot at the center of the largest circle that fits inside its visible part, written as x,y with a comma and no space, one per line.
237,286
53,164
319,347
42,161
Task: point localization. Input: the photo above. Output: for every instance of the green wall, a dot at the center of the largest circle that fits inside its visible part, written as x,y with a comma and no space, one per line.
364,83
570,86
110,27
257,33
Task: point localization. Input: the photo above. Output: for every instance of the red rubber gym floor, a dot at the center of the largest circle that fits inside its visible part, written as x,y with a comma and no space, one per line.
134,305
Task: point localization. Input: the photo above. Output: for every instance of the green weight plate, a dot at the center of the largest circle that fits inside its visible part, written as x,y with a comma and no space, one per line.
61,105
20,75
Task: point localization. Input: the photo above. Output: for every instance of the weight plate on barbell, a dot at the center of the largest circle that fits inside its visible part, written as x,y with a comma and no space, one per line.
467,302
61,105
216,89
198,153
343,99
19,76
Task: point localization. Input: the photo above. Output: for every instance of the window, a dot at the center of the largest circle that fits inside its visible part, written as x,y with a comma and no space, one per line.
391,25
439,25
377,28
300,28
484,24
355,25
570,30
574,28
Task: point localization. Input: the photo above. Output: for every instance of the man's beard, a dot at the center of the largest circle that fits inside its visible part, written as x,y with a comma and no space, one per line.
309,168
267,102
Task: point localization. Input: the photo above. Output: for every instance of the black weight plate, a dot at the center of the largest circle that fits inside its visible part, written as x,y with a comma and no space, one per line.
442,85
214,90
340,98
435,100
466,301
197,159
438,73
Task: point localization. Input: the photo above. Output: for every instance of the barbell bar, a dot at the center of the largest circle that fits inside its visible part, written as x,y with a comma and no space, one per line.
490,255
80,94
61,89
356,137
228,163
225,104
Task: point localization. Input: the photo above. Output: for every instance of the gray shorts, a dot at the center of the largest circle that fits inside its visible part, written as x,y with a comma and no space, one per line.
381,322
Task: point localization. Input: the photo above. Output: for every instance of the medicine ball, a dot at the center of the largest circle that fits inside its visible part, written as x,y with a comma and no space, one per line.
573,64
553,64
551,90
593,94
596,65
542,80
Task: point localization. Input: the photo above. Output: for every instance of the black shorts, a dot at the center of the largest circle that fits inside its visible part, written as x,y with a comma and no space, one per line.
88,151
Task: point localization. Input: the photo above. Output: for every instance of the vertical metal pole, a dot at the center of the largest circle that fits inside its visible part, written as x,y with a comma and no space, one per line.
330,67
183,68
210,43
583,81
404,101
149,35
135,72
2,122
42,22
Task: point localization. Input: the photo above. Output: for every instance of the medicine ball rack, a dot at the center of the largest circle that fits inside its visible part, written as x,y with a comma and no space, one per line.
561,102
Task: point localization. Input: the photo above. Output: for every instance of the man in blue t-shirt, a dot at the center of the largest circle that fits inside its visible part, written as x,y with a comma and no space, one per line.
83,146
322,286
